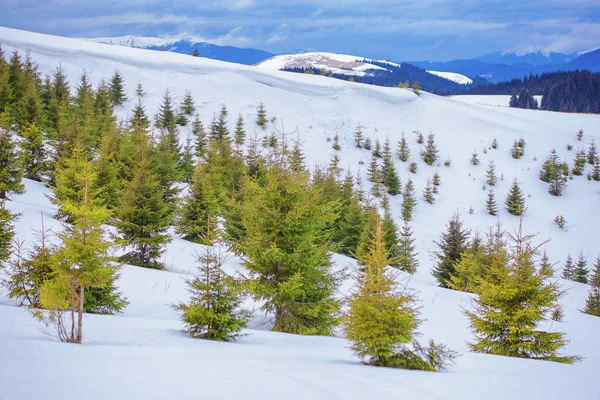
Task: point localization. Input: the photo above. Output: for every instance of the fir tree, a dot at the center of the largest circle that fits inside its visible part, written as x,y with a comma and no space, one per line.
580,135
475,158
336,143
407,257
595,175
351,223
239,136
187,165
10,172
579,162
290,268
408,201
420,139
139,91
358,137
515,201
377,149
200,140
390,176
431,153
297,157
33,153
117,89
7,220
552,172
513,299
199,210
580,273
413,167
166,118
495,144
188,107
592,155
373,171
107,169
382,318
214,310
568,271
144,217
436,179
261,116
403,149
517,151
166,166
139,119
428,193
452,244
490,203
592,304
491,175
367,144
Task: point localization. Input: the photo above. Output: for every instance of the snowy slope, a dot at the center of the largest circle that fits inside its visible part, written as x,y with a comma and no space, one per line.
454,77
336,63
142,354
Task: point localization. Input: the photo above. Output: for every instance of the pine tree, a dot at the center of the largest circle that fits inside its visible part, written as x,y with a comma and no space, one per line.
382,318
552,172
166,118
580,273
199,210
403,149
214,310
33,153
436,180
420,139
490,204
579,162
81,262
452,244
390,176
592,155
428,193
513,299
200,140
108,181
377,149
413,167
336,143
139,119
408,201
139,91
290,268
491,174
373,170
261,116
592,304
358,137
297,157
431,153
7,233
475,158
188,107
239,137
117,89
144,217
407,257
10,172
390,230
352,223
495,144
515,201
517,151
367,144
187,165
568,269
595,175
166,167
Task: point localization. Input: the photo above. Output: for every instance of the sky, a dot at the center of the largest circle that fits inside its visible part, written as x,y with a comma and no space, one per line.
399,30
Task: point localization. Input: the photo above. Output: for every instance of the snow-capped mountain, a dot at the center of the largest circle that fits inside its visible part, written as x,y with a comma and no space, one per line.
527,55
187,45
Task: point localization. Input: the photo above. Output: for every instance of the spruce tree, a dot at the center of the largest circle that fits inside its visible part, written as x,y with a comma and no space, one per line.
336,143
431,153
403,149
373,172
200,139
188,107
139,119
166,118
420,139
382,318
407,256
568,271
452,244
579,162
239,136
475,158
33,153
144,217
261,116
290,268
491,174
358,137
108,180
408,201
580,273
297,157
166,166
580,135
390,176
214,310
490,204
390,230
377,149
592,155
436,180
139,91
187,165
413,167
592,304
515,201
428,193
117,89
517,151
552,172
10,172
367,144
351,223
494,144
514,297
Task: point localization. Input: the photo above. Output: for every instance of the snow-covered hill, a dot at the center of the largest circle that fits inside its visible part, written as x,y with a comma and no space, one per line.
142,353
453,76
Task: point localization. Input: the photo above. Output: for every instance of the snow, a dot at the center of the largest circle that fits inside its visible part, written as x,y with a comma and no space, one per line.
453,76
142,353
336,63
499,100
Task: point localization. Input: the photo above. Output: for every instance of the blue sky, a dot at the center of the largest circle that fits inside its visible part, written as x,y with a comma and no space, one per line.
391,29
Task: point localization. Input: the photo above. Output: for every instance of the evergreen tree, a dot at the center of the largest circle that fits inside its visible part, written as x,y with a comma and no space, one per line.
490,203
367,144
579,162
436,180
515,201
187,165
408,201
592,304
390,231
139,91
413,167
33,153
214,310
7,220
495,144
428,193
108,180
592,155
261,116
290,268
199,210
580,273
336,143
297,157
166,118
200,140
517,151
239,136
513,299
166,166
196,53
139,119
10,172
188,107
358,137
117,89
373,170
431,153
351,223
403,149
420,139
407,257
377,149
568,269
390,176
552,172
475,158
144,217
491,175
382,318
595,175
452,244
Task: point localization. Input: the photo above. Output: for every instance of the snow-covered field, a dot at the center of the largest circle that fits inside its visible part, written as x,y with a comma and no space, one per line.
499,100
336,63
142,353
453,76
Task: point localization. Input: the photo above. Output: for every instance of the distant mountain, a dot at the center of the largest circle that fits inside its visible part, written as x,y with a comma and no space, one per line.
532,56
187,46
589,60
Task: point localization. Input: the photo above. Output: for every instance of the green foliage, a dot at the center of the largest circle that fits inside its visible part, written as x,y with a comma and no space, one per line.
390,176
10,172
517,151
261,116
515,201
475,158
592,304
428,193
494,144
200,140
592,155
491,174
407,256
490,204
408,201
107,168
568,269
358,137
286,250
413,167
431,153
452,244
580,273
187,165
239,136
403,149
117,89
33,153
579,162
552,173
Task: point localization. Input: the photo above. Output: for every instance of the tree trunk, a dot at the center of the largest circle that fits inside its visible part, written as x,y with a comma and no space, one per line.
80,314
